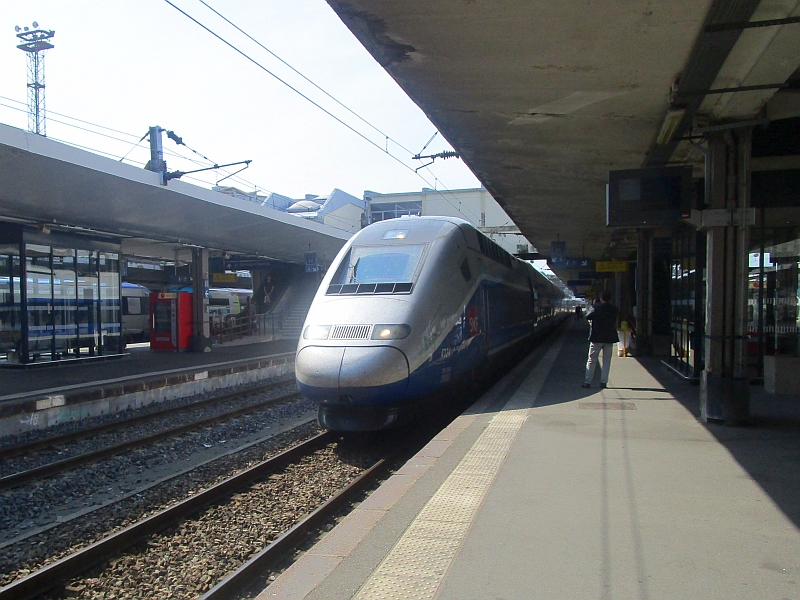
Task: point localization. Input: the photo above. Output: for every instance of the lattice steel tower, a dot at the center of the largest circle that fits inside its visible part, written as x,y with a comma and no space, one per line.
35,42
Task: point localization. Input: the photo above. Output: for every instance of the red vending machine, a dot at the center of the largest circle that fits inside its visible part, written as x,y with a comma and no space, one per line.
170,321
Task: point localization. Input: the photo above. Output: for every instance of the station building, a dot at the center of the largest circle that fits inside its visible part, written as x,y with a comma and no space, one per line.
475,205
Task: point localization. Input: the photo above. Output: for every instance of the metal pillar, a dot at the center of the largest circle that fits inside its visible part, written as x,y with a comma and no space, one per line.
201,331
156,162
644,293
725,388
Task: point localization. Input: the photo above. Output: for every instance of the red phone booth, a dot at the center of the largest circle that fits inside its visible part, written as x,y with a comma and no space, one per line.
170,321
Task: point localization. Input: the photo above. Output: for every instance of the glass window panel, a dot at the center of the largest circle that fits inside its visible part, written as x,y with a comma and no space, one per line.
783,292
773,295
110,313
686,304
88,302
39,282
65,306
380,264
10,303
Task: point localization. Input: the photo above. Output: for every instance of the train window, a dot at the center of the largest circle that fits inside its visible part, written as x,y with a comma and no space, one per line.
132,306
493,251
379,264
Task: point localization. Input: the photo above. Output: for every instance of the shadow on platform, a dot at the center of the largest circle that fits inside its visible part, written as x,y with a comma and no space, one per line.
768,448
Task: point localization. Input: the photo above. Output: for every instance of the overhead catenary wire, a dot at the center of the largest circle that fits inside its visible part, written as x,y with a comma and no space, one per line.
136,145
124,157
301,94
284,82
109,154
52,112
320,88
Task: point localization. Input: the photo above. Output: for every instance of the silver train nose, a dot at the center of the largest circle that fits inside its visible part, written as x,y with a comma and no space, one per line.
350,367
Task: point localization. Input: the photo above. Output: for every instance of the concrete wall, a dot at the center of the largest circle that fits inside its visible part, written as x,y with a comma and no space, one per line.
47,411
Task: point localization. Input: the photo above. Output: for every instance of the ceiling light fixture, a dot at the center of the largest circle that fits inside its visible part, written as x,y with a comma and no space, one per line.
671,122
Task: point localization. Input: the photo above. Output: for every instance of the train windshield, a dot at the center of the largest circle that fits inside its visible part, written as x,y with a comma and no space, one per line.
379,264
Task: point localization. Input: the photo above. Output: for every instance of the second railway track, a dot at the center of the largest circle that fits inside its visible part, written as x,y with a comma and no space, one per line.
186,549
17,478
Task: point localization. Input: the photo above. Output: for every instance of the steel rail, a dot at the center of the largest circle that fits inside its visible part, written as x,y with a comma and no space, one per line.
50,576
21,477
70,436
235,583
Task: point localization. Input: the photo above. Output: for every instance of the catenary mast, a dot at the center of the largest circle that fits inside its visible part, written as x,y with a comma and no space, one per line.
35,42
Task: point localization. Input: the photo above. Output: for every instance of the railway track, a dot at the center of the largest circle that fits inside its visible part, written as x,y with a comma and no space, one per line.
86,523
18,478
312,460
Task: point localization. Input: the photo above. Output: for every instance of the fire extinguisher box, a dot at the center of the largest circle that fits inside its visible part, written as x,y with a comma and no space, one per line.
170,321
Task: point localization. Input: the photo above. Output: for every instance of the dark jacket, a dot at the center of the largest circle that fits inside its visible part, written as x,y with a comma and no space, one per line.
604,324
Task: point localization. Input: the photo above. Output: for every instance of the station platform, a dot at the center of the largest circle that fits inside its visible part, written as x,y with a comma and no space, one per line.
547,490
35,398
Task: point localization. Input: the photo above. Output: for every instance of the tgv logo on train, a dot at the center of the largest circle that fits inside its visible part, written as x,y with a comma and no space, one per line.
408,306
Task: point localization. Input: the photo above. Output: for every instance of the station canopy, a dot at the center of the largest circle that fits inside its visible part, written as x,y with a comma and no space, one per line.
542,99
56,186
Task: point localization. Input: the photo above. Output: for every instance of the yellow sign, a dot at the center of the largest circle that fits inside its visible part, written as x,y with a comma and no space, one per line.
223,277
611,266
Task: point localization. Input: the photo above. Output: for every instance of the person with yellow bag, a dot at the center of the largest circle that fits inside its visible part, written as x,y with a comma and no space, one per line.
624,339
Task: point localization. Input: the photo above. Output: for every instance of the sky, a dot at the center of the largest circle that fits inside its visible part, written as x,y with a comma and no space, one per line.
131,64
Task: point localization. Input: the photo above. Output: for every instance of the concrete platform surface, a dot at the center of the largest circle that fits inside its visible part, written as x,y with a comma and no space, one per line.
577,493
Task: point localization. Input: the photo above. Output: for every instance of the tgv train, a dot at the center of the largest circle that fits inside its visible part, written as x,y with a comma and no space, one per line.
408,307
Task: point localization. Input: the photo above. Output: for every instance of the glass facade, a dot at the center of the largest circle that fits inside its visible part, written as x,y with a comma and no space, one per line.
69,305
773,295
773,306
687,300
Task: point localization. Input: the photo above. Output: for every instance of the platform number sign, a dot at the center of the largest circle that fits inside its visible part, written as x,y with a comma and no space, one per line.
311,262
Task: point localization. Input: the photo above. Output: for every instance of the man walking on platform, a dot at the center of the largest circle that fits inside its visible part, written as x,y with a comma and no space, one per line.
603,335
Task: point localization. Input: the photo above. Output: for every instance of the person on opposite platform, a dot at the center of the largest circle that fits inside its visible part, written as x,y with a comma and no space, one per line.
603,335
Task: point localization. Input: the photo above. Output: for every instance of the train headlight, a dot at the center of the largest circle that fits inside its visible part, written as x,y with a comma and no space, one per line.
317,332
390,332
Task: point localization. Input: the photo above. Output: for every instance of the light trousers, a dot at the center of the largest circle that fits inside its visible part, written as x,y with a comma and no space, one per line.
591,362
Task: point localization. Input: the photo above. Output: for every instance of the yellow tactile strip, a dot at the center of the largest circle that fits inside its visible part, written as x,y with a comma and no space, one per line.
417,563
